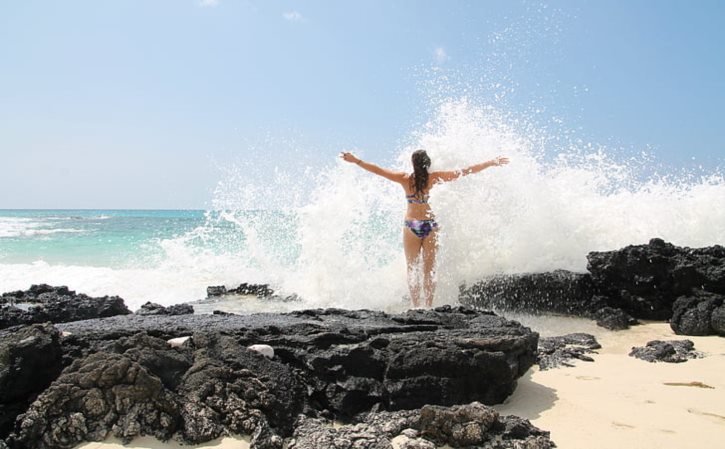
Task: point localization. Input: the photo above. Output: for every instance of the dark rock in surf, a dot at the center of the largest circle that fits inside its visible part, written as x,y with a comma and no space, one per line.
57,305
693,314
221,312
555,352
258,290
30,358
216,290
559,291
614,319
151,308
671,351
645,280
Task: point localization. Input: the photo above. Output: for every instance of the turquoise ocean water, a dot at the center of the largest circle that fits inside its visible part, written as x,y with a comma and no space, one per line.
101,238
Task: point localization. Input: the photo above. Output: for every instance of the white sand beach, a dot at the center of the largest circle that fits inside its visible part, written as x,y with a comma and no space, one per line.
615,401
621,401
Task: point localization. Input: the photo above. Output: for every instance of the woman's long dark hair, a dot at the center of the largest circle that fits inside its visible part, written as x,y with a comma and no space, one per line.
421,162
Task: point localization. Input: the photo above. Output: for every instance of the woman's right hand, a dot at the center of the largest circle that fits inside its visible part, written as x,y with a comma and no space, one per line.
349,157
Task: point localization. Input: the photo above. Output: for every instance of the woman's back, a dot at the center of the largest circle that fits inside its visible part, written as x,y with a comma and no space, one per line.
418,207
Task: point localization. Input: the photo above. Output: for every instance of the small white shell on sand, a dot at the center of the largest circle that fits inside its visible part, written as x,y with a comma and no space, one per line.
66,334
265,350
178,341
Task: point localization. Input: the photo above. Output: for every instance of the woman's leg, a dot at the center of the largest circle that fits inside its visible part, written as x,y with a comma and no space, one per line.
412,245
429,247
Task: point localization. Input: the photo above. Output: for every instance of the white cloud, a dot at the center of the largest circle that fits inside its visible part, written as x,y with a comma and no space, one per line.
440,55
208,3
293,16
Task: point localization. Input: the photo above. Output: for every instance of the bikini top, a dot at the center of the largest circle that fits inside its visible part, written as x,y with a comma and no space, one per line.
415,199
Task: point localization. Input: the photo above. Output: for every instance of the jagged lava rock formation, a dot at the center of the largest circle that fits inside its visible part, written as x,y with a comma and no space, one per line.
122,376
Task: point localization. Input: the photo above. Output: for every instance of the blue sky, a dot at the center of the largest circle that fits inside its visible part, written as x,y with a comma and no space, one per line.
137,104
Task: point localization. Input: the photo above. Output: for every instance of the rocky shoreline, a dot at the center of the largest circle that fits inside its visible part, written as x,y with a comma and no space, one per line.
75,368
133,375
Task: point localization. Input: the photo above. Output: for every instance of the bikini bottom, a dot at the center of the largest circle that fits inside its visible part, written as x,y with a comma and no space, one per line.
421,228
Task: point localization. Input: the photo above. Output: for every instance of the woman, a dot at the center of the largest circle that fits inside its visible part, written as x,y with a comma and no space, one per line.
419,234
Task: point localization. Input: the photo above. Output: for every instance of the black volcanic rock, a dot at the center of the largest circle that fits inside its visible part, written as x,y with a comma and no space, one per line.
717,320
57,305
460,425
614,319
260,290
467,425
30,358
101,393
151,308
216,290
559,351
671,351
645,280
373,431
139,385
360,358
125,379
635,282
559,291
693,313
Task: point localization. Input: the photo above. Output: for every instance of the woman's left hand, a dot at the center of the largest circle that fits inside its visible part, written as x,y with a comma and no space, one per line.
349,157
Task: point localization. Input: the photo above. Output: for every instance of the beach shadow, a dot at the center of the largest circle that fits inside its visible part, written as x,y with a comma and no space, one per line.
529,399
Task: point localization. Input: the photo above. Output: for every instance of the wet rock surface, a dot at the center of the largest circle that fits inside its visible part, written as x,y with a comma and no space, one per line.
43,303
555,352
124,378
670,351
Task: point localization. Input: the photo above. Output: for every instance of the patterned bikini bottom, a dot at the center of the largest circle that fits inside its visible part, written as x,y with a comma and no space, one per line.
421,228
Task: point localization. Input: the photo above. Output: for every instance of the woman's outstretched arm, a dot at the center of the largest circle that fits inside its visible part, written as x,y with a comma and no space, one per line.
444,176
395,176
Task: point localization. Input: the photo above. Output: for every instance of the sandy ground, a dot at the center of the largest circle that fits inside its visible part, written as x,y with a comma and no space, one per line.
615,401
620,401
